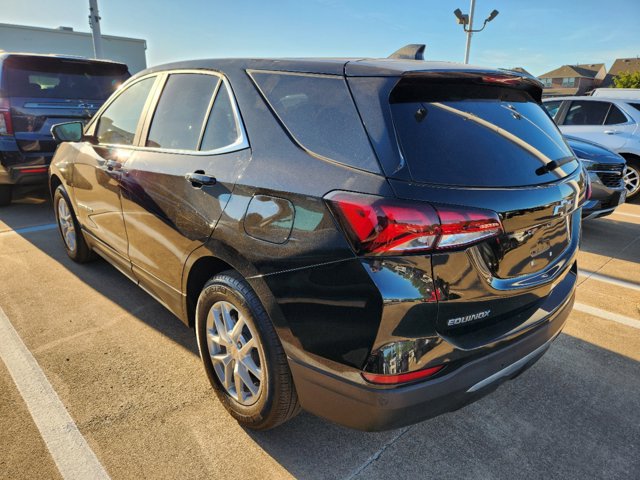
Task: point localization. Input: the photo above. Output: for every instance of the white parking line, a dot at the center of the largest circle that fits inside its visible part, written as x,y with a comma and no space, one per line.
604,278
627,214
615,317
69,450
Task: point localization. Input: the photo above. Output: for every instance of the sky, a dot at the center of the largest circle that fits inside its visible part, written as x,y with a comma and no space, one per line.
538,35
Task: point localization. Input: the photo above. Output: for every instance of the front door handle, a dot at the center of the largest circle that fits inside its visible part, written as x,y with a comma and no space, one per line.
199,179
113,165
610,132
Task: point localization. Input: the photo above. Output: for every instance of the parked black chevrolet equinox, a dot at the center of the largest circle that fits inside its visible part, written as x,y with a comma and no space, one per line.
377,241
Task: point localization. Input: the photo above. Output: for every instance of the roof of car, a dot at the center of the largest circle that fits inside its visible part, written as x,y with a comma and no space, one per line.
4,55
332,66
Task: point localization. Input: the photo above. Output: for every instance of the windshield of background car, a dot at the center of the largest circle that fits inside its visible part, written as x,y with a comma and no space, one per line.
60,78
480,136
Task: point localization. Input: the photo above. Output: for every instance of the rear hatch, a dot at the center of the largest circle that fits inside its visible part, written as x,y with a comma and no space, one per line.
482,141
43,91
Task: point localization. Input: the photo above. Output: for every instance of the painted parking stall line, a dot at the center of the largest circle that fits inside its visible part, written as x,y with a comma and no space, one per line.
606,279
35,228
69,449
614,317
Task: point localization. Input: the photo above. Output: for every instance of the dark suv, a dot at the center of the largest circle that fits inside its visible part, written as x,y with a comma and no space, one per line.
377,241
36,92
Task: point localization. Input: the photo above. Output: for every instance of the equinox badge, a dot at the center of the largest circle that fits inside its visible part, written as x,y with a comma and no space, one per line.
468,318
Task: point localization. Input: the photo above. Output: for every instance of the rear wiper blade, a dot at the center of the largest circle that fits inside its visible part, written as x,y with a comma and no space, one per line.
553,165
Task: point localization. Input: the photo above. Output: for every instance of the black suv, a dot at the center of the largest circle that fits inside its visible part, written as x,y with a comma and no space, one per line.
36,92
377,241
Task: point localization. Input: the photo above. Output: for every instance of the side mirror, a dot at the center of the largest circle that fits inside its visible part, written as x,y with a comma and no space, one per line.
68,132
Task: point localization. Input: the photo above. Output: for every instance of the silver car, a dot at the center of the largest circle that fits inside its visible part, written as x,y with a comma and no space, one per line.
611,122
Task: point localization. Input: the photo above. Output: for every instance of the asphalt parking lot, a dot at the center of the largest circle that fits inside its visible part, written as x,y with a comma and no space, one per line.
129,376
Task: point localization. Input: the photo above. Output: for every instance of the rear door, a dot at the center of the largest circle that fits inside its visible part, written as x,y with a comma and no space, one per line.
598,121
44,91
176,186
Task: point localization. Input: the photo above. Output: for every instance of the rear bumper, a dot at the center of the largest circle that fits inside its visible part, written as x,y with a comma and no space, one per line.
366,407
22,168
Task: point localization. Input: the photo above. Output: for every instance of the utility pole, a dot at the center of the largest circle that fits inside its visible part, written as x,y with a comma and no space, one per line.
94,23
467,49
467,25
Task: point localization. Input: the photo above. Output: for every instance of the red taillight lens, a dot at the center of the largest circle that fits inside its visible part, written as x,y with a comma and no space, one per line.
6,125
395,379
382,226
462,227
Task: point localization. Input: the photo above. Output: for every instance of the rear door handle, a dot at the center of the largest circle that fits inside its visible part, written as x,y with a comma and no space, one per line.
610,132
199,179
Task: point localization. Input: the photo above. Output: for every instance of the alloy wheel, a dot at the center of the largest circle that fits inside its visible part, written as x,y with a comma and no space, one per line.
67,227
632,180
235,352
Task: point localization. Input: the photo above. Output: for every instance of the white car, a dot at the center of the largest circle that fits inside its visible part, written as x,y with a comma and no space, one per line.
612,122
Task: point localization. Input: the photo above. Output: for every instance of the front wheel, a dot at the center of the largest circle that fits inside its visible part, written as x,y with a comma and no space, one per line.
632,178
242,354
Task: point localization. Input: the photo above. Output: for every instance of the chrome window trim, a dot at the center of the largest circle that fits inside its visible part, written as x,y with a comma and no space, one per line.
241,143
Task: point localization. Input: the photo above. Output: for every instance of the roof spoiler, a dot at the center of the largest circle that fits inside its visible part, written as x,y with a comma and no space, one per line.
413,51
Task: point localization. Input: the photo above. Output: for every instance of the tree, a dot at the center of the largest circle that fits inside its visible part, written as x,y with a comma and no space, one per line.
627,80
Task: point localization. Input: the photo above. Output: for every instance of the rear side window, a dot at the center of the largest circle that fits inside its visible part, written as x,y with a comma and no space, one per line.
41,77
586,113
179,117
320,114
497,137
615,116
118,123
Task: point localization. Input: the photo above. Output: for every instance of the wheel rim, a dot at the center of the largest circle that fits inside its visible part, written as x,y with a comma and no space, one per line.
65,220
632,180
236,353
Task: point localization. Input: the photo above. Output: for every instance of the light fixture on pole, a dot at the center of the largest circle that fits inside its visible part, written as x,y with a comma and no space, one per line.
467,25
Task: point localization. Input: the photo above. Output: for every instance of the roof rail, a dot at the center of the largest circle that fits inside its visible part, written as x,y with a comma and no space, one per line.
413,51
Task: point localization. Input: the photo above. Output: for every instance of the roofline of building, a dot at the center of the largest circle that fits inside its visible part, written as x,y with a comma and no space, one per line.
73,32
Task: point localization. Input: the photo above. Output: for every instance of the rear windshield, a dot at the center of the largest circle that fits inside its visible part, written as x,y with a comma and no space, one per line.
478,136
57,78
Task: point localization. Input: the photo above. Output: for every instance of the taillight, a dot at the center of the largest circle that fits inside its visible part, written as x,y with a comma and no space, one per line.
394,379
382,226
6,126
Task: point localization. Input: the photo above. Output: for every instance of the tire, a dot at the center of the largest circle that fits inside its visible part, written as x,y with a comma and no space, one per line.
632,178
5,195
68,226
273,400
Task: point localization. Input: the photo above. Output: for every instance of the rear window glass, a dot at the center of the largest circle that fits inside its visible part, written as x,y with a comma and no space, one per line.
586,113
56,78
496,138
320,114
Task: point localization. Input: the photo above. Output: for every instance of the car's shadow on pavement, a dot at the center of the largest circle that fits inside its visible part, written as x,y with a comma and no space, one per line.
575,414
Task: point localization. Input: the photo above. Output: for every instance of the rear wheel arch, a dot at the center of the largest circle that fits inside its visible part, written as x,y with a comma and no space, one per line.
199,273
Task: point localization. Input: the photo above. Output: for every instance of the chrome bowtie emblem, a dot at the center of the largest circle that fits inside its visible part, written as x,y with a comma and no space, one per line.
562,208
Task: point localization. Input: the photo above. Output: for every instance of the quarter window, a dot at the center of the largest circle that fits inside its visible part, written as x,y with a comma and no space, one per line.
179,116
222,129
118,123
586,113
552,108
319,113
615,116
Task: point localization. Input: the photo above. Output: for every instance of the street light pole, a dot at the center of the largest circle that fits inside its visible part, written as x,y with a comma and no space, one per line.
467,25
94,23
467,49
